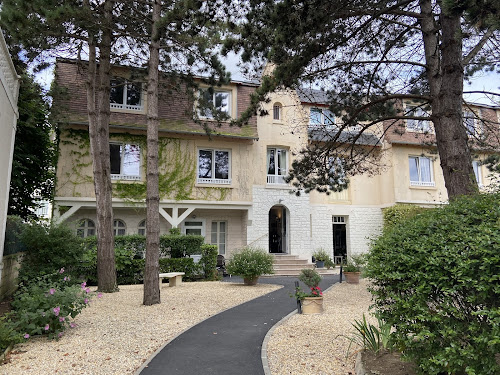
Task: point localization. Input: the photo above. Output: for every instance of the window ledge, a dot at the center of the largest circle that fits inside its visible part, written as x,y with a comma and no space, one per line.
213,181
125,177
422,185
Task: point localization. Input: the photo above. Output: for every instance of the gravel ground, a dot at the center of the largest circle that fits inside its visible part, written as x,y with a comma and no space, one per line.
116,333
317,344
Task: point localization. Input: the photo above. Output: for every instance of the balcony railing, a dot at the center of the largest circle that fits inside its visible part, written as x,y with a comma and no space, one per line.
126,106
215,181
125,177
422,183
276,179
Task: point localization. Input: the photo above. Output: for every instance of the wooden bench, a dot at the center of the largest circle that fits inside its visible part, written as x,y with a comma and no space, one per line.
174,278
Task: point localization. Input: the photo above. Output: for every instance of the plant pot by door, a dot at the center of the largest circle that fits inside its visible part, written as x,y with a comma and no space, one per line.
352,277
312,305
320,264
250,280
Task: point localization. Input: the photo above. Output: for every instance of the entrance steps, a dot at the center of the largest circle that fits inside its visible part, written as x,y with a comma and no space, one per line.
291,265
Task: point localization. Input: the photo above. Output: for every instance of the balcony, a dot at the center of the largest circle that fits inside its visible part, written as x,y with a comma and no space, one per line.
276,180
422,183
215,181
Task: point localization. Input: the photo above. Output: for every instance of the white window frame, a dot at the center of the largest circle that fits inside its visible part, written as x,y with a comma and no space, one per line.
213,180
277,112
85,227
430,183
218,235
124,105
476,165
141,227
323,119
276,178
201,226
117,227
417,126
210,116
123,176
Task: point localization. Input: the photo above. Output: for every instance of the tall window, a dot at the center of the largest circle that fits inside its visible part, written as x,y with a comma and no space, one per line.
118,227
211,101
214,167
420,171
477,172
141,228
414,124
125,95
319,117
85,228
470,123
218,235
277,112
277,165
125,161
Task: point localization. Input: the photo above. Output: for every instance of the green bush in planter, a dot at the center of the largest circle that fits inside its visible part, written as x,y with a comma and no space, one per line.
250,262
436,282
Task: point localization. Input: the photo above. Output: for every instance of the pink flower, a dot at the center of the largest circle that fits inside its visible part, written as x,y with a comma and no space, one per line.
72,325
61,318
86,300
87,290
61,270
84,284
56,310
66,278
99,295
60,334
26,336
52,291
46,327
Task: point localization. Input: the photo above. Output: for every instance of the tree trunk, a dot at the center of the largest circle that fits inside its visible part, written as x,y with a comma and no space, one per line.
151,270
98,87
445,75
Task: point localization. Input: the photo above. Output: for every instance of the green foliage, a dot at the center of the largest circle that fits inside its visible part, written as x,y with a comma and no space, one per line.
174,231
310,277
13,230
250,262
329,263
34,152
399,212
49,248
321,255
179,246
355,263
208,261
8,335
371,337
47,305
185,265
436,281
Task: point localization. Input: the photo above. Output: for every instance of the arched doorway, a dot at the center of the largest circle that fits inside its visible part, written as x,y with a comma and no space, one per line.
278,229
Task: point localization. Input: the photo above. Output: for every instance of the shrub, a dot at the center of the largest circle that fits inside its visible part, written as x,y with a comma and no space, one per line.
8,335
185,265
310,277
435,280
13,230
355,263
370,337
321,255
46,305
179,246
250,262
134,242
208,261
48,249
398,213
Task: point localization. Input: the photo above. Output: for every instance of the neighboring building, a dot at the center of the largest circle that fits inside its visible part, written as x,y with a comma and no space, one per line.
230,187
9,89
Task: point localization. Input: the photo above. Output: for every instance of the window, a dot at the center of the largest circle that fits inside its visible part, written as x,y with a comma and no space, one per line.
125,95
476,165
125,161
277,109
86,228
214,167
277,165
338,219
321,117
417,125
219,101
141,228
194,227
118,227
420,171
218,235
469,119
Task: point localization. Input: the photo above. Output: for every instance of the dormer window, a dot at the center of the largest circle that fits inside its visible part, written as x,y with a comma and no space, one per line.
125,95
214,100
414,124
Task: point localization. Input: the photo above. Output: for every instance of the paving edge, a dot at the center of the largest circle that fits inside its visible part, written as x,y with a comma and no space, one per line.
359,368
146,362
263,351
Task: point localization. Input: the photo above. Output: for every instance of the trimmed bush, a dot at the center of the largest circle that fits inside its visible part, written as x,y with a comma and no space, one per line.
436,281
179,246
398,213
134,242
208,261
250,262
185,265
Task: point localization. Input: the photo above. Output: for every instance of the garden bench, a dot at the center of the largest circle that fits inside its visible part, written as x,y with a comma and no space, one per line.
174,278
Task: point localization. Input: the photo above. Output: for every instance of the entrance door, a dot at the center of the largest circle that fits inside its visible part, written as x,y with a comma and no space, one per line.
339,239
277,230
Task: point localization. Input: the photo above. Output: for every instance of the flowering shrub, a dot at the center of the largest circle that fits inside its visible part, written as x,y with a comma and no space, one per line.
47,304
311,278
250,262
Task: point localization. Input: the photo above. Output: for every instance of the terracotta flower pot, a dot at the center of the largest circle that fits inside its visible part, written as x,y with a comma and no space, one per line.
312,305
352,277
250,280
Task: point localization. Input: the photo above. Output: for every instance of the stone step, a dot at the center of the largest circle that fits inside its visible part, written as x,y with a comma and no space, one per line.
293,266
291,261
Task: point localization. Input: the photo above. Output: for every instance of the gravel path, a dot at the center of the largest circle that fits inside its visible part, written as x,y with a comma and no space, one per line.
316,344
116,333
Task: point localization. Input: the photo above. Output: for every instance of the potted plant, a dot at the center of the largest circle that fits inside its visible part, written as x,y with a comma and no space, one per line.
250,263
311,303
320,256
352,268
